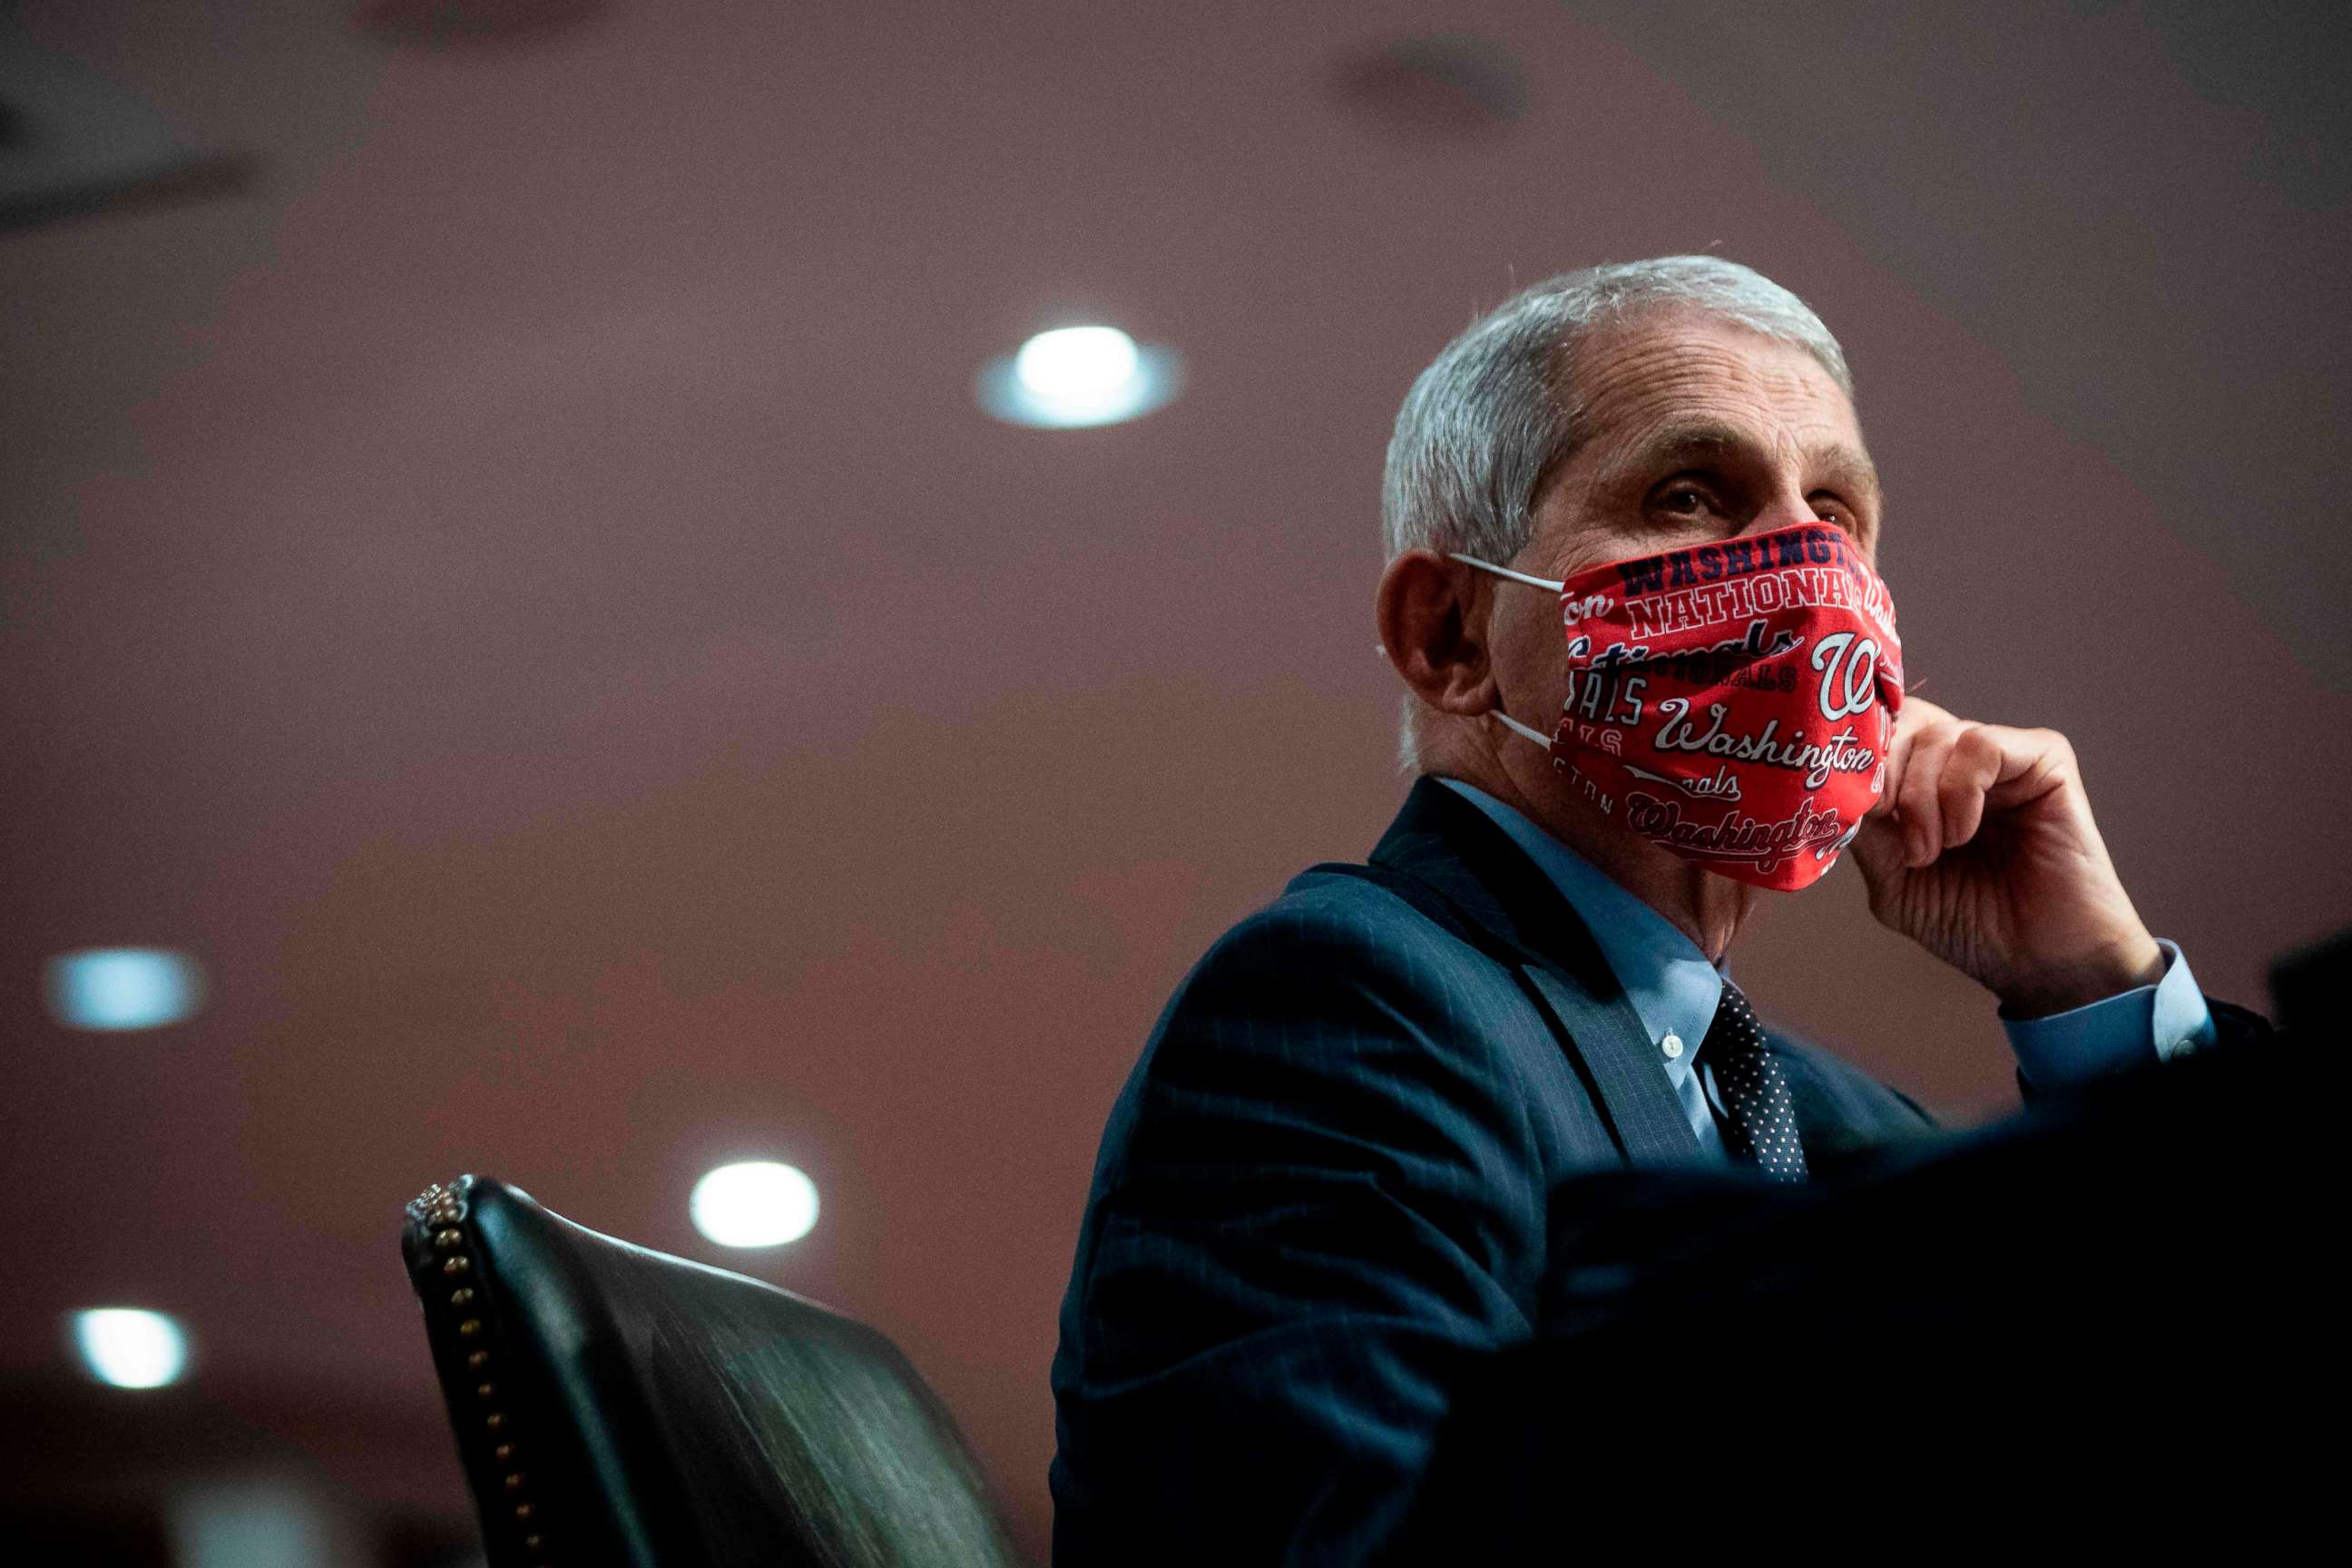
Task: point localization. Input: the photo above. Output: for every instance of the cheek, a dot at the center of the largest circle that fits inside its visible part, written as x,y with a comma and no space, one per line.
1531,658
1602,544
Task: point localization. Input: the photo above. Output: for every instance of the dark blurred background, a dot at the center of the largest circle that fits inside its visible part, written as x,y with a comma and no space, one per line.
505,573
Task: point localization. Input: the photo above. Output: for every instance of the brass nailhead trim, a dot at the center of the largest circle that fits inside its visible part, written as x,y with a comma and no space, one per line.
444,1210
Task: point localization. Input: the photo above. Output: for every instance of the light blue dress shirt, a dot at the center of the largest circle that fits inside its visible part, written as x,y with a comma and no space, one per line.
1675,990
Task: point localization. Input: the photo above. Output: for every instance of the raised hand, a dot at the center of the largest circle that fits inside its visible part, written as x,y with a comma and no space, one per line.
1982,850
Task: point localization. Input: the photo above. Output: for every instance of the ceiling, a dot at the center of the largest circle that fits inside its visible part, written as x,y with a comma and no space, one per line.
519,586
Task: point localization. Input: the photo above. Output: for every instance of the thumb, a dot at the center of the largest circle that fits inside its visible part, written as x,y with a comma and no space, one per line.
1878,849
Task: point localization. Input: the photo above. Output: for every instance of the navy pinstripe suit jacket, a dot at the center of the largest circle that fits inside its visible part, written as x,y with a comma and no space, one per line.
1331,1182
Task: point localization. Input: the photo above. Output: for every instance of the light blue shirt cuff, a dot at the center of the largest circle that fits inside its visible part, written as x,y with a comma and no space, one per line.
2168,1018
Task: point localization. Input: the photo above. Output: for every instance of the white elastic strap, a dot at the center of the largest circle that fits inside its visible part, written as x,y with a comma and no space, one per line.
1507,572
1538,736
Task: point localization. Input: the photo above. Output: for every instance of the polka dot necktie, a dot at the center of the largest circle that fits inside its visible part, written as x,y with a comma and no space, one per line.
1759,1124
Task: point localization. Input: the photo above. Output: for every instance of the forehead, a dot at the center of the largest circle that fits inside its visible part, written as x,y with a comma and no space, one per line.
1637,379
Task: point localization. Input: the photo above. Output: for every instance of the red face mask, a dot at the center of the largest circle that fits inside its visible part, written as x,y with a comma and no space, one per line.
1732,702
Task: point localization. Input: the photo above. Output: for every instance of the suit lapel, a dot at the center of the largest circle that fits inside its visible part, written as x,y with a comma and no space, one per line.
1445,842
1622,1067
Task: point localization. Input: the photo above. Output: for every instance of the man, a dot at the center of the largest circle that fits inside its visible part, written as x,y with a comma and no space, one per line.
1344,1174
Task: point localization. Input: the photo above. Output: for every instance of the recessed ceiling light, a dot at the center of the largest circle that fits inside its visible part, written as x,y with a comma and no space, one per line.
1076,377
129,1347
757,1203
1086,365
124,987
1435,87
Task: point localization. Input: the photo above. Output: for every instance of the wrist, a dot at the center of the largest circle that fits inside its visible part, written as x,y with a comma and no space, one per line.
2125,965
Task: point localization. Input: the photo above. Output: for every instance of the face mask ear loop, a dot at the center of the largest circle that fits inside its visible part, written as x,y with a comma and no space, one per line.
1506,572
1538,736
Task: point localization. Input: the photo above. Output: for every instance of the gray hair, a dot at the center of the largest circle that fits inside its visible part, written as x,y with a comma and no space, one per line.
1489,419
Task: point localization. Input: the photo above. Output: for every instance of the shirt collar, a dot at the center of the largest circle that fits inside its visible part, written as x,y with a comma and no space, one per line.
1672,985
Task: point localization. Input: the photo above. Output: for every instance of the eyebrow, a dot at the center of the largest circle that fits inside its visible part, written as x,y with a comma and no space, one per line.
1674,446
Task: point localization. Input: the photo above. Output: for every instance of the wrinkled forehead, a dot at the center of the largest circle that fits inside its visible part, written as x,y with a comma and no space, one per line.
1632,378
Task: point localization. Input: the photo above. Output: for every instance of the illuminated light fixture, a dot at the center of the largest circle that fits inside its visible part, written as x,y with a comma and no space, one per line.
758,1203
1076,377
124,987
129,1347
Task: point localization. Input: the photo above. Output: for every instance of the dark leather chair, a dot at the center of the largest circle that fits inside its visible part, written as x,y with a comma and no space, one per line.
615,1405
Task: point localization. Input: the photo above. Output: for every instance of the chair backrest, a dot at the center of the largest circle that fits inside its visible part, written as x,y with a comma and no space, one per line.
616,1406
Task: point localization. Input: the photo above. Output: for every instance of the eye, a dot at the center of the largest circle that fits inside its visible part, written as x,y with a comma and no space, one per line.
1832,507
1684,498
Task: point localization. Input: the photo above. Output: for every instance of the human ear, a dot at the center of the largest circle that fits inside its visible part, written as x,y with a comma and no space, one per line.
1432,620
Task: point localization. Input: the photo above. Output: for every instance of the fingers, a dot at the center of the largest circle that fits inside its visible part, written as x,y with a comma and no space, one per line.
2033,763
1878,849
1947,773
1919,796
1917,716
1974,764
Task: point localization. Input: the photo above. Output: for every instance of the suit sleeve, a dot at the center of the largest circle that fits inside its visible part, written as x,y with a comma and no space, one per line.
1317,1204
